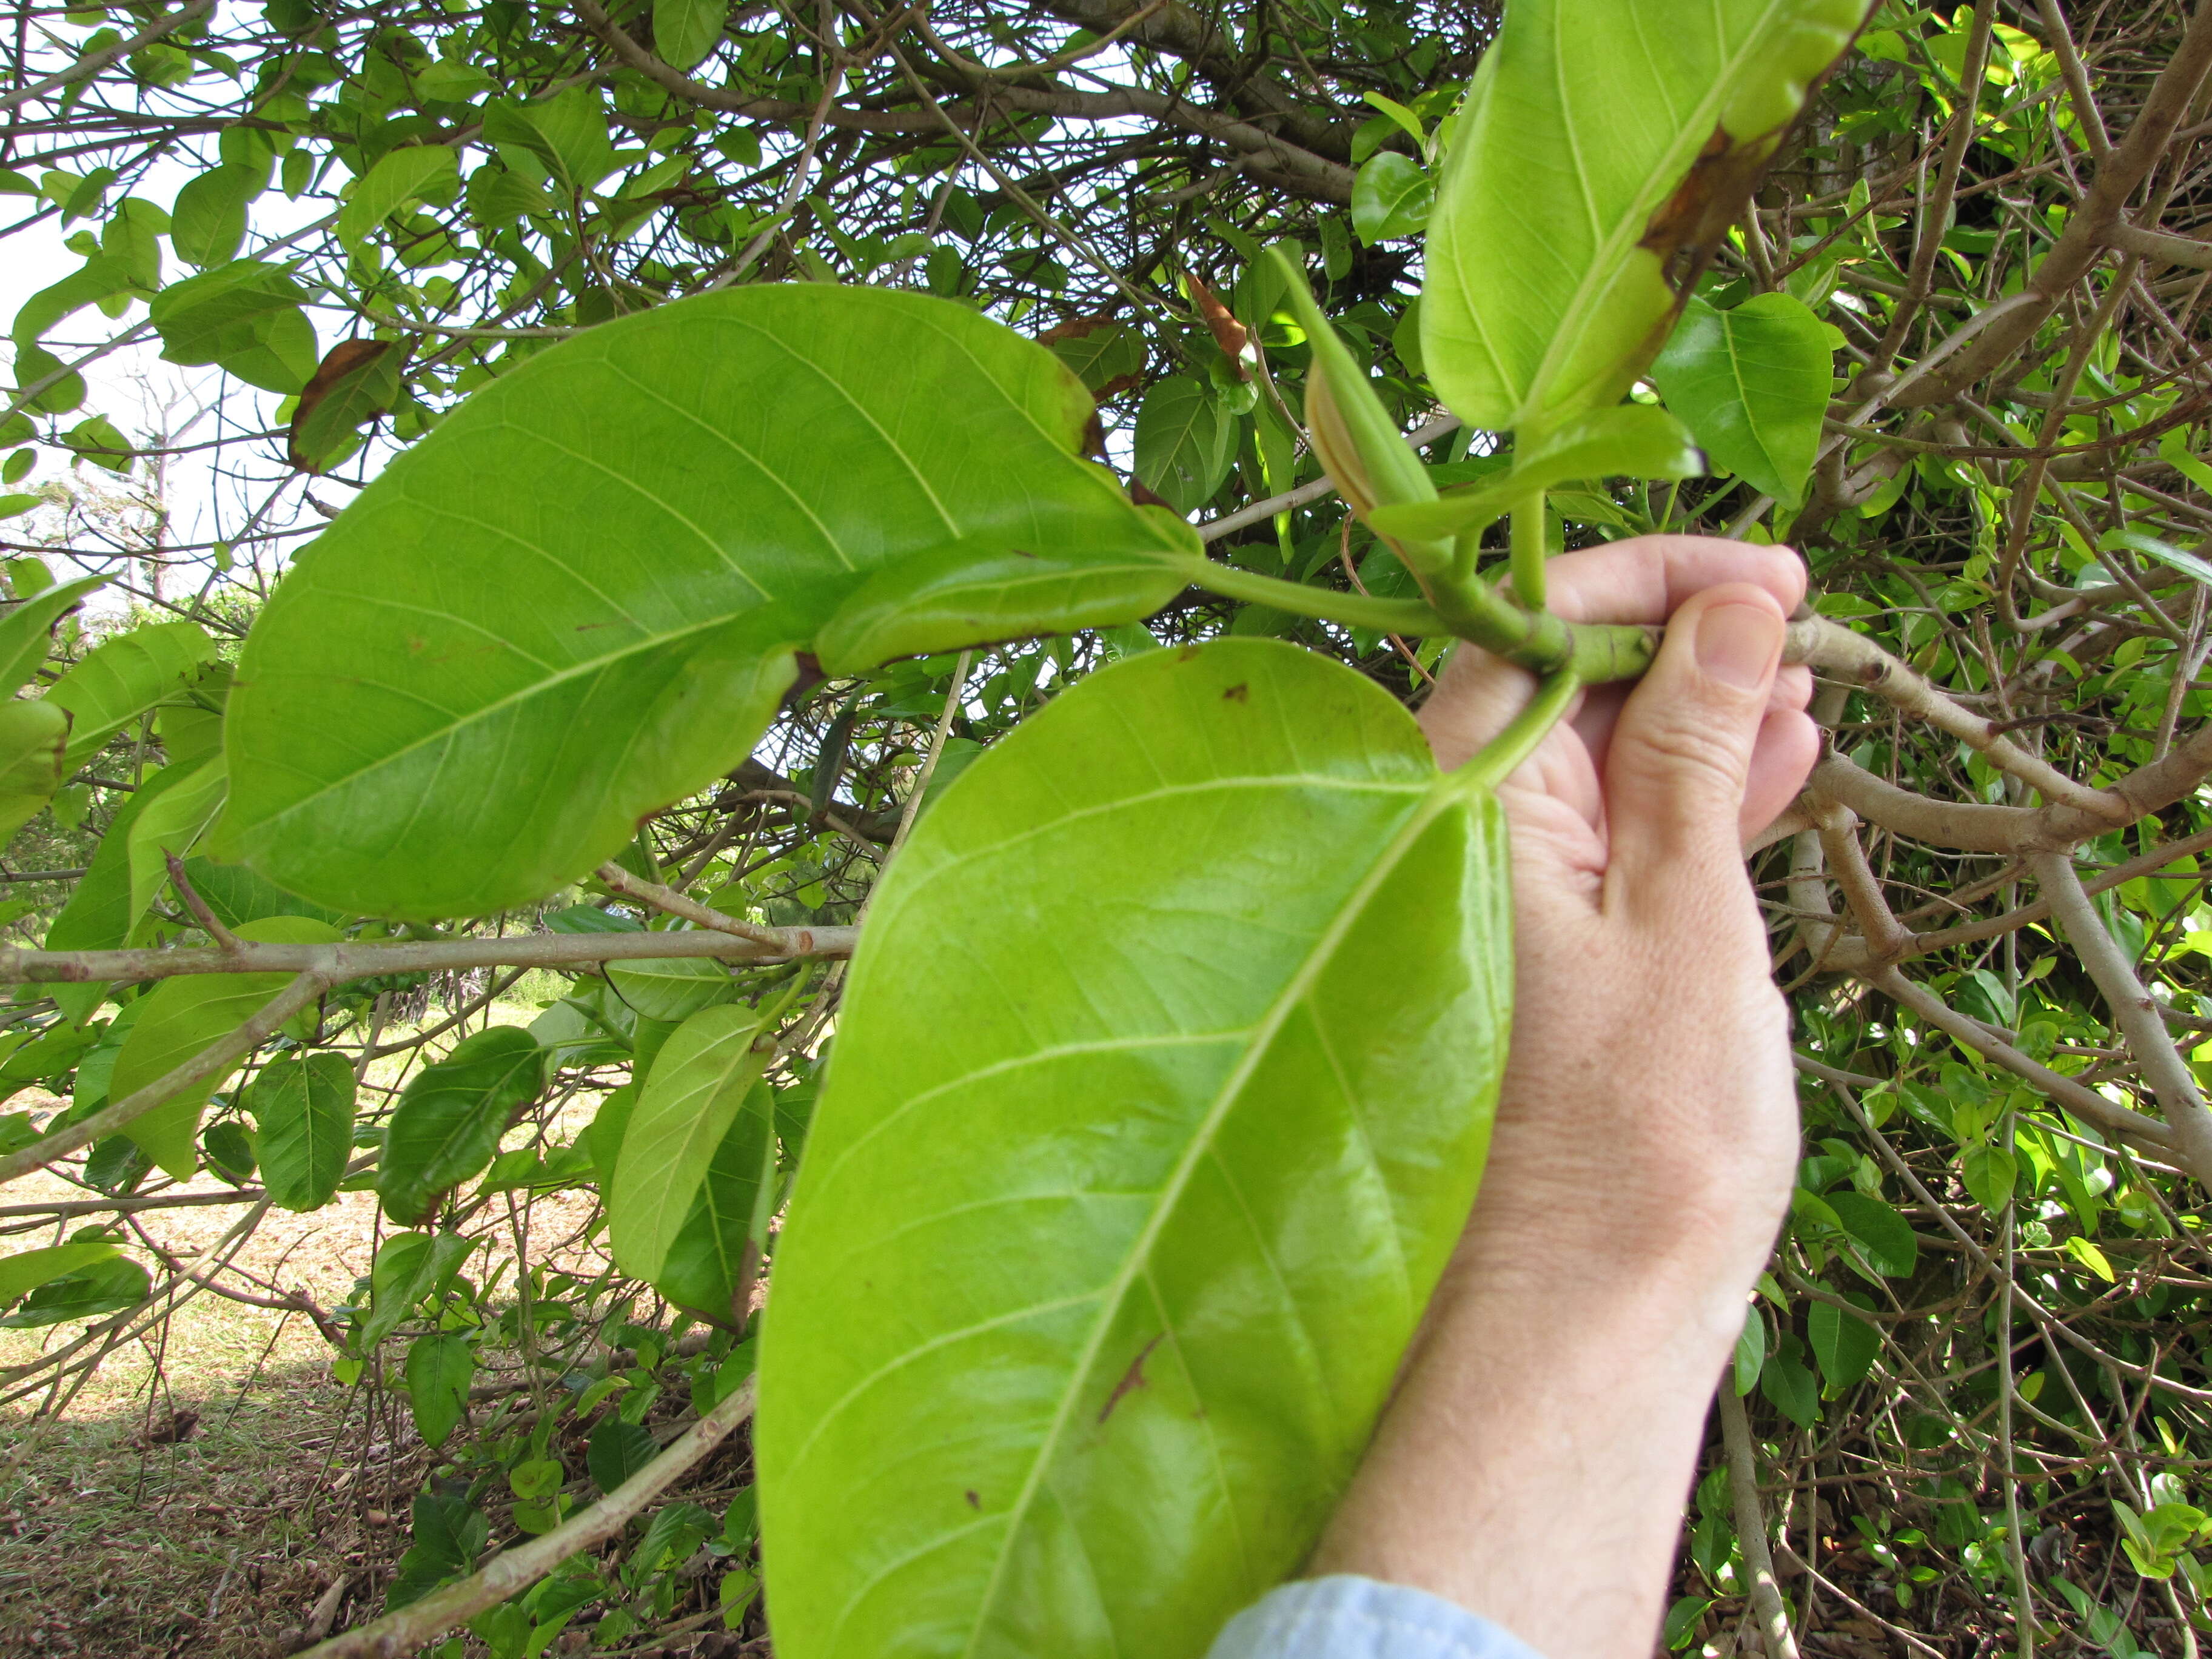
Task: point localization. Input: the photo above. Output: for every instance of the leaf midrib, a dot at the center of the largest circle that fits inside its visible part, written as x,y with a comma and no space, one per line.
1443,793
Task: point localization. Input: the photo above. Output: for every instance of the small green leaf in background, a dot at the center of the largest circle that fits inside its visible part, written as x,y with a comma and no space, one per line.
34,742
1185,441
449,1121
89,1292
1787,1386
124,677
1989,1173
449,1532
438,1368
685,31
408,1267
567,134
2158,549
183,1016
99,916
541,1477
696,1087
229,1152
1877,1229
304,1109
1750,1350
671,988
1753,384
209,219
705,1270
1845,1345
616,1451
411,173
245,317
26,1270
1391,196
170,826
27,630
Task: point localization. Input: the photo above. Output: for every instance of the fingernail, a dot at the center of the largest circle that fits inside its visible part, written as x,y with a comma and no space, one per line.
1737,644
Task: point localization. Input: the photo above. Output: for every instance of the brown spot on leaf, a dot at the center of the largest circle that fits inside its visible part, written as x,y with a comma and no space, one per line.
1237,693
1144,497
974,1502
1094,437
1132,1378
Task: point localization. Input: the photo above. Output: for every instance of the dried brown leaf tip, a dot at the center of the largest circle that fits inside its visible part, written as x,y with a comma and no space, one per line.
1228,334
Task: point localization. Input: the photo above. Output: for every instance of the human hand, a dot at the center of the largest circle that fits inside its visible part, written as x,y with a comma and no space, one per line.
1534,1462
1647,1108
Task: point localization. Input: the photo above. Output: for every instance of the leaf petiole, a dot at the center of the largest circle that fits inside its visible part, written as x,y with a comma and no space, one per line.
1497,758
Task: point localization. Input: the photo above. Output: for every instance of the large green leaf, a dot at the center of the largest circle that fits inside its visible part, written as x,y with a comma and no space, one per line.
448,1122
122,678
1392,197
696,1085
1598,142
172,824
303,1109
579,599
1752,385
671,988
182,1016
209,219
1161,1090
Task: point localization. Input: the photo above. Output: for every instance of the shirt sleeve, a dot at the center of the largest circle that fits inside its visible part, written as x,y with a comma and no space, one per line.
1345,1617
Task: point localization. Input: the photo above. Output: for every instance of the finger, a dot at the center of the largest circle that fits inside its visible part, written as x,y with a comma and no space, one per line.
1648,578
1642,581
1679,761
1781,760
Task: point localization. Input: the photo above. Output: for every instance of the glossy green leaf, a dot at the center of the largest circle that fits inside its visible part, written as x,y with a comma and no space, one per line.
1563,198
34,741
1185,441
1753,384
1162,1085
1845,1345
2155,548
685,31
440,1365
27,630
612,553
950,597
26,1270
1392,197
303,1108
183,1016
122,678
1634,440
209,219
1877,1229
407,174
1989,1173
449,1119
696,1087
671,988
707,1267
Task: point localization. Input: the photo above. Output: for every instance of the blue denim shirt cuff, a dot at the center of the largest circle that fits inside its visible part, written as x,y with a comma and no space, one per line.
1344,1617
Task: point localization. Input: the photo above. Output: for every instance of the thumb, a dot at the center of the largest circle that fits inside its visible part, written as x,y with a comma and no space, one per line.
1680,753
